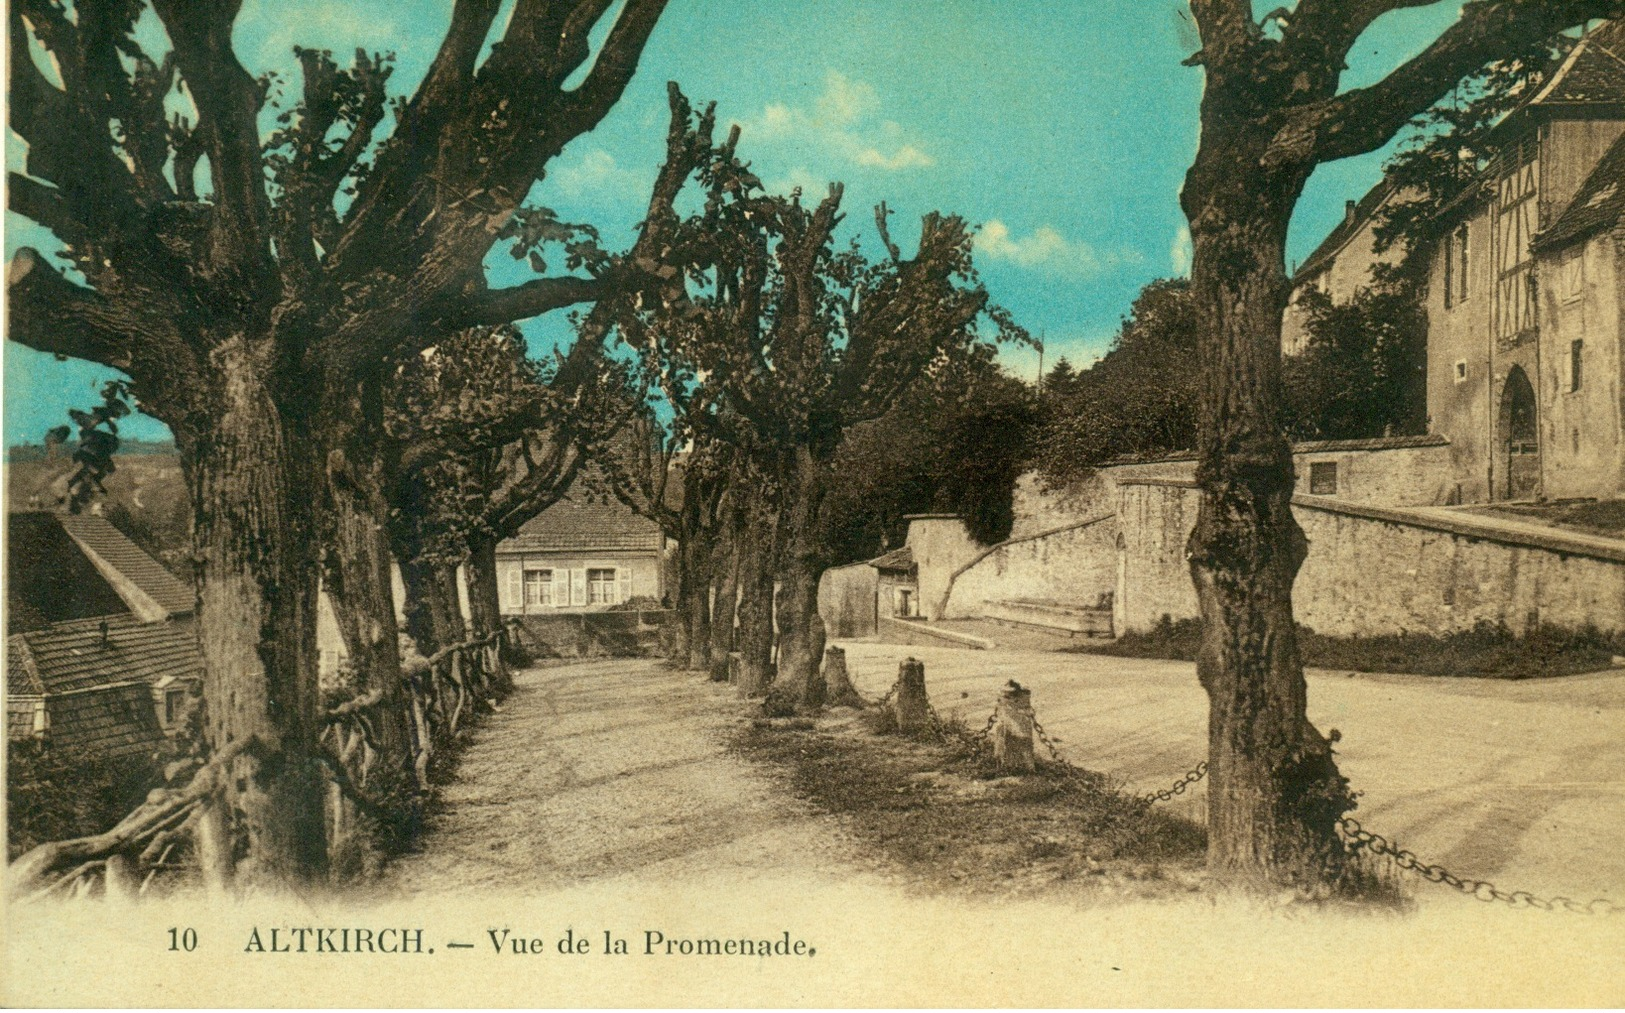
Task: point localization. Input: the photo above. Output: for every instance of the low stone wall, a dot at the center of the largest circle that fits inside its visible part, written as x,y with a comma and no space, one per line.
1073,565
1373,571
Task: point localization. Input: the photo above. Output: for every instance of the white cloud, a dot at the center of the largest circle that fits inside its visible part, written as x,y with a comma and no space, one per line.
595,172
841,122
1180,253
1045,249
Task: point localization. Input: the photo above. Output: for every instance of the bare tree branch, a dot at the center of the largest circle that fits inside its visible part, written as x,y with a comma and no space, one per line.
228,101
48,313
1364,119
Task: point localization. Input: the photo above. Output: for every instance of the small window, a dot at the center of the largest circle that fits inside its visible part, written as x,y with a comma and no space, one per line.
174,705
1573,276
1323,478
1576,363
601,587
538,587
1461,370
1576,438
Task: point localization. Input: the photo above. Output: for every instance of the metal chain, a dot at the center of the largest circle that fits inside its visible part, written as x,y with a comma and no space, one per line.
1356,837
987,729
1195,774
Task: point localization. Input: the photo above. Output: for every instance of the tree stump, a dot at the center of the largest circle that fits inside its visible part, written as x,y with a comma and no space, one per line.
910,706
1013,730
837,684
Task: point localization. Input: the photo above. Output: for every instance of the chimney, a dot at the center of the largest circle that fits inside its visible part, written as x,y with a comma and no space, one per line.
1349,208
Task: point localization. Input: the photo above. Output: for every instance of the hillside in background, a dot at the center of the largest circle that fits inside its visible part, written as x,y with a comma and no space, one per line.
146,496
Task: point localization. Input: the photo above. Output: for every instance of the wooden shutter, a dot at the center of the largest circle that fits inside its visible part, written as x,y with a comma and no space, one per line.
624,576
513,597
578,587
561,588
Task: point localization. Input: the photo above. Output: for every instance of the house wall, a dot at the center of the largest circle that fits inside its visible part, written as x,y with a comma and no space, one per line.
637,575
1459,407
940,546
846,600
1372,571
1583,445
1341,278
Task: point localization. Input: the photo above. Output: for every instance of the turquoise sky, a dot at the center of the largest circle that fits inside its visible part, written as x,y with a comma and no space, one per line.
1062,127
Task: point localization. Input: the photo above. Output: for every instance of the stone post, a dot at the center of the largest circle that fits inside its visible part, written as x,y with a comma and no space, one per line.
911,706
837,684
1013,730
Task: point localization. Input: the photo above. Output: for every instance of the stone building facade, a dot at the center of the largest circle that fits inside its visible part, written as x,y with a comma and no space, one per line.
1524,371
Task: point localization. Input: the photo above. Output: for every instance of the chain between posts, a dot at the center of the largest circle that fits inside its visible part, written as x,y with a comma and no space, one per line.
1356,838
1191,776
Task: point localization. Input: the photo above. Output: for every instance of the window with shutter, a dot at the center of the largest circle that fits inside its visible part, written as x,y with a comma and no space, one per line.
511,590
578,587
561,588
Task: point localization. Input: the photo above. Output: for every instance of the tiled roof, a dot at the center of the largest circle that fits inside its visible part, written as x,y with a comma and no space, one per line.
1345,229
896,559
99,536
1594,72
105,721
580,526
48,577
1371,443
72,656
1599,204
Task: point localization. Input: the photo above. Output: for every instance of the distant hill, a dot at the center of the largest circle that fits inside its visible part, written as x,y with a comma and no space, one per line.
146,496
127,448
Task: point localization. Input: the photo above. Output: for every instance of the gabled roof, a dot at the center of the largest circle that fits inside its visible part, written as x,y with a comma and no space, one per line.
49,578
73,656
1591,76
896,559
575,525
97,535
1599,203
1346,229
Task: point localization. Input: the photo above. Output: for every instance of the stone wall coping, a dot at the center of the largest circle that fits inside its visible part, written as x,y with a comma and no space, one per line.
1483,528
954,636
1478,526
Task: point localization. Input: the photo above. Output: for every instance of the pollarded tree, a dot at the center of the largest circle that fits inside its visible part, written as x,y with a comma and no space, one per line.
800,343
1273,110
250,314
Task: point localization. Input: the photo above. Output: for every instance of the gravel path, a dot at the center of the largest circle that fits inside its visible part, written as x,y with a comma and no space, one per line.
608,769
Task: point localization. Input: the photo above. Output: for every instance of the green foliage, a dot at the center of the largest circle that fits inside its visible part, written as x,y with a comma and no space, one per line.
1449,147
1488,650
50,797
98,442
955,445
1139,399
1364,372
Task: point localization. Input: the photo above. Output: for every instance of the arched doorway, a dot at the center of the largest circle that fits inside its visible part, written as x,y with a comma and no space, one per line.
1518,438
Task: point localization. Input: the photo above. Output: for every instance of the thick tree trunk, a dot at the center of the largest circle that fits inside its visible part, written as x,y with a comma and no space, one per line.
248,473
754,639
434,617
694,552
359,585
725,609
484,603
801,629
1274,793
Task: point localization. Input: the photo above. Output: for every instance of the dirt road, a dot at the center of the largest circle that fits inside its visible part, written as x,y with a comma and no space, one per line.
1522,783
606,769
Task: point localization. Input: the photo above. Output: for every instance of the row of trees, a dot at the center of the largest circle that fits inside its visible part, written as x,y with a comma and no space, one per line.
280,316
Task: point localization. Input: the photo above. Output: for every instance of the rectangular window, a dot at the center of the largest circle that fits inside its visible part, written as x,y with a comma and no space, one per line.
1461,370
1461,266
601,587
1576,363
174,705
538,587
1323,478
1573,275
1449,271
